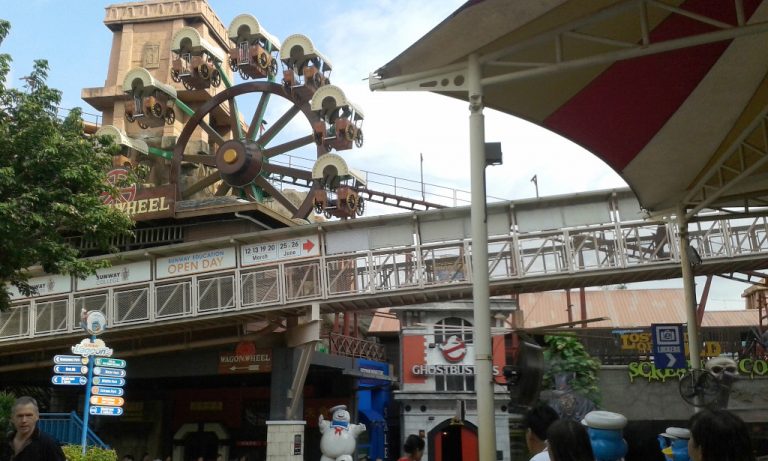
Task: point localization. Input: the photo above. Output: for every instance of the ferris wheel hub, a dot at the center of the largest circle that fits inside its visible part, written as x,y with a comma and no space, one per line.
239,162
230,156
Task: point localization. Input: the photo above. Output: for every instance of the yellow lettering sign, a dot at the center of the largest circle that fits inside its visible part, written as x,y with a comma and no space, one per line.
647,370
147,205
643,342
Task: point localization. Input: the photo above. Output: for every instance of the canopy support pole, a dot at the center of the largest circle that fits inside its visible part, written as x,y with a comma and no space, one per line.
486,427
689,288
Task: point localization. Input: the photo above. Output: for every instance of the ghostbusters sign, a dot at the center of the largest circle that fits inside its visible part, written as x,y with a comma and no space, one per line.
453,350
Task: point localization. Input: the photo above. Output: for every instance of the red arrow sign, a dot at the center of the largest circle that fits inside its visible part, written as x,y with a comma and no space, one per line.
308,245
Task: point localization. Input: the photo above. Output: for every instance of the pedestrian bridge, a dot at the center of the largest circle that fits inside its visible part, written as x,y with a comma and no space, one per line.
589,239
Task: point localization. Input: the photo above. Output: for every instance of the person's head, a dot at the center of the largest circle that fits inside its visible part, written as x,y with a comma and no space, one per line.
128,458
24,415
414,446
537,421
568,440
719,435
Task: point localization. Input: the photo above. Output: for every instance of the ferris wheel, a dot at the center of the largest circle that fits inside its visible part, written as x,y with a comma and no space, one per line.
232,138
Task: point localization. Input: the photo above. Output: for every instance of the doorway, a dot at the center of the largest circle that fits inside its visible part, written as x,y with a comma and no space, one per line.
453,440
194,441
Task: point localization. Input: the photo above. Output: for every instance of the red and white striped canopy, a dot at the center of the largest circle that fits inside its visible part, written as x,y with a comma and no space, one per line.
671,94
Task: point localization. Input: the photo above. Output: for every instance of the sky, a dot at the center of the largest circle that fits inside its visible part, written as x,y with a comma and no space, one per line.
400,128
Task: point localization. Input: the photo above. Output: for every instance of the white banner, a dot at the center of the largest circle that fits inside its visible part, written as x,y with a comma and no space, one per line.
117,275
45,285
194,263
265,252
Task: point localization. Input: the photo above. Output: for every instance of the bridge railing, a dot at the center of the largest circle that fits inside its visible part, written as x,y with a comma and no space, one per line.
442,264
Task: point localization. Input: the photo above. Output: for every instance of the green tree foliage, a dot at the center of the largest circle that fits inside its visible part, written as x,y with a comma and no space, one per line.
51,179
565,355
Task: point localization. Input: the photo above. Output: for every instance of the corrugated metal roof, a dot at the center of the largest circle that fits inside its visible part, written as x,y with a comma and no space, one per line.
624,308
383,322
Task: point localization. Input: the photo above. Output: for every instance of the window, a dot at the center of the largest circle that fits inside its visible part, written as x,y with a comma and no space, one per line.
462,329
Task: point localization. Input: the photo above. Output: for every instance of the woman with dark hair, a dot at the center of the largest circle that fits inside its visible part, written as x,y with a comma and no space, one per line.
719,435
413,448
568,440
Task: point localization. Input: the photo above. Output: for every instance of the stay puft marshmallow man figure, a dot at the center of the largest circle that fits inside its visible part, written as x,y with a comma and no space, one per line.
339,436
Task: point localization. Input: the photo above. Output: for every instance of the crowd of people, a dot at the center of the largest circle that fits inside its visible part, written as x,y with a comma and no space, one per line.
716,435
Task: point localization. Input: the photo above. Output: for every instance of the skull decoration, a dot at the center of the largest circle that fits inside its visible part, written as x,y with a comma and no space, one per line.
723,368
725,372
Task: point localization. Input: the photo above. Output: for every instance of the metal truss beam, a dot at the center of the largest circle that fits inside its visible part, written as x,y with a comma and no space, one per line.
740,160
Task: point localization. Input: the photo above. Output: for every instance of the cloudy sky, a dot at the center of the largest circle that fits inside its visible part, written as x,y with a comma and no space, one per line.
358,37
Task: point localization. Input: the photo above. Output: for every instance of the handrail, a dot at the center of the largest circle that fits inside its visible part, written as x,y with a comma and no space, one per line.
67,428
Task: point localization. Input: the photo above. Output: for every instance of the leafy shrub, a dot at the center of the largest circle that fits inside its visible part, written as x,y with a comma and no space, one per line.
75,453
566,355
6,406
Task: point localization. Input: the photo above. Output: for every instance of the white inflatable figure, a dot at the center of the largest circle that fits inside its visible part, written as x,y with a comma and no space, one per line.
339,437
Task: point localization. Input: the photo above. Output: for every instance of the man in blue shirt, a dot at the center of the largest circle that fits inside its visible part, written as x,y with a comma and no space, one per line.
26,442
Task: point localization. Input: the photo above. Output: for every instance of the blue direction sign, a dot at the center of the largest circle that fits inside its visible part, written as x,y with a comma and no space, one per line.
105,411
70,380
104,390
104,371
668,347
103,381
70,369
70,359
109,362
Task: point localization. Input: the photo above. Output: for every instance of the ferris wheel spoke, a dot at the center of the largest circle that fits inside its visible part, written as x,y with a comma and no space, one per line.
273,130
223,189
288,171
207,160
288,146
258,117
201,184
306,206
234,120
217,138
276,194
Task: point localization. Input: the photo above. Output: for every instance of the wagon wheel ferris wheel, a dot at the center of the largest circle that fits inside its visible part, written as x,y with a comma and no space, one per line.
239,162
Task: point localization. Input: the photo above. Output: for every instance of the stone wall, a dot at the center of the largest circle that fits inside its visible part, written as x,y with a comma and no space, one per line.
654,395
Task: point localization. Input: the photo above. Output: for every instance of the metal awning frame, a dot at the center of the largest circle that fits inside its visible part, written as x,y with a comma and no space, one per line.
454,76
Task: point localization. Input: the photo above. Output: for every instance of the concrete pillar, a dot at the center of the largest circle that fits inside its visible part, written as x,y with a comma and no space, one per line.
284,361
285,440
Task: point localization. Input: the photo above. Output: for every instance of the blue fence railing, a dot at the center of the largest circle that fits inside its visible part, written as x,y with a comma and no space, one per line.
67,428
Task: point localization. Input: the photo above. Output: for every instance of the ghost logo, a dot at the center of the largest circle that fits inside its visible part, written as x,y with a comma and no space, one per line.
453,349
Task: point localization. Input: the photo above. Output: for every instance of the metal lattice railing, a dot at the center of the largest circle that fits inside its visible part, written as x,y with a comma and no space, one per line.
355,347
355,275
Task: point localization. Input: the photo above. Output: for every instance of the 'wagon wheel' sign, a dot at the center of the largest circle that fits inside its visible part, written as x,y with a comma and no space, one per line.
127,193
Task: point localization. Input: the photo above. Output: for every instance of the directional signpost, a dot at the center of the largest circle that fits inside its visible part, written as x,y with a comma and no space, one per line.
93,357
106,411
70,360
70,369
104,390
69,380
668,347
